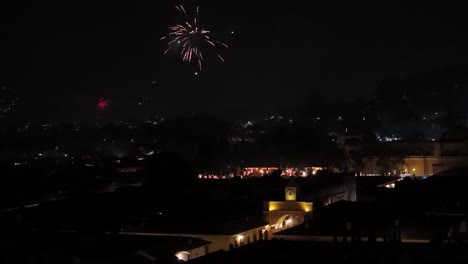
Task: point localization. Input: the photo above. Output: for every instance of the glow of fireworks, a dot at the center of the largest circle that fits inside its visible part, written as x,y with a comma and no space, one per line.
102,104
7,101
190,39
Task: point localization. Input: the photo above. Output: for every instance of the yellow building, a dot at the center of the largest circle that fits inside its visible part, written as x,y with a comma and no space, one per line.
420,159
288,213
232,235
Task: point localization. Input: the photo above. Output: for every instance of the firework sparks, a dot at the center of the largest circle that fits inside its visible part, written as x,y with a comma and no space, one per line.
190,40
102,104
7,101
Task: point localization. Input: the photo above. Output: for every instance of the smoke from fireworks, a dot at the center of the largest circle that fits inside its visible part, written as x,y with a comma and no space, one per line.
7,101
190,39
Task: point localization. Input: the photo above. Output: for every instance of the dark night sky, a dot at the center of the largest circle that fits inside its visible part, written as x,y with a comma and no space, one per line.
61,57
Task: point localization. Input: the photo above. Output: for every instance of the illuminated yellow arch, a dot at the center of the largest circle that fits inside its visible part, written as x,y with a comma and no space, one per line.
183,255
279,223
295,218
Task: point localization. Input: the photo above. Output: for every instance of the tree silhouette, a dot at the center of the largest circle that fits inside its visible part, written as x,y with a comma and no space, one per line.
391,164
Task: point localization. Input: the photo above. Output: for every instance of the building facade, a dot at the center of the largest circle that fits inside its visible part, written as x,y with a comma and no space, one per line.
413,158
288,213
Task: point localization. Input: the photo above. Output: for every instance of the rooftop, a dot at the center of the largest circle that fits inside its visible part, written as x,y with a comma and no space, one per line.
101,248
374,181
196,225
283,251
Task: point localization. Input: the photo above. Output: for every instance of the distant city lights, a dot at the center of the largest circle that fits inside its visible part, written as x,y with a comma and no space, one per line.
248,124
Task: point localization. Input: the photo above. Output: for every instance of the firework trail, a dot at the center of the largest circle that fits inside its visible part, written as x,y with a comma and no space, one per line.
190,39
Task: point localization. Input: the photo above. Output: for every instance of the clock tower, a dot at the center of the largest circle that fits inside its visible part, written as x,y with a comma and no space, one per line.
289,212
290,191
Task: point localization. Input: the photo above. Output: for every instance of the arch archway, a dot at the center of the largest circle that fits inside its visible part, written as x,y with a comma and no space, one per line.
288,221
183,255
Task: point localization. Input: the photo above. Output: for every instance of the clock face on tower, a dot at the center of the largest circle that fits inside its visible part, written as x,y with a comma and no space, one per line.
290,194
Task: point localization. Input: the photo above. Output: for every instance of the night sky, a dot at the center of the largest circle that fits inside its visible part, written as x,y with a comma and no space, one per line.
61,57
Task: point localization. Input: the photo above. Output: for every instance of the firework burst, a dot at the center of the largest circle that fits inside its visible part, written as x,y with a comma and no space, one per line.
102,104
190,40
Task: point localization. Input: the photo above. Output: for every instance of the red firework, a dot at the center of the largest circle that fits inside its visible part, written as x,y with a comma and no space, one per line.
102,103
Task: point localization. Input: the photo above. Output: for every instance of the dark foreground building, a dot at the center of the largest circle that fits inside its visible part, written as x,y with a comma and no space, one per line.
281,251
